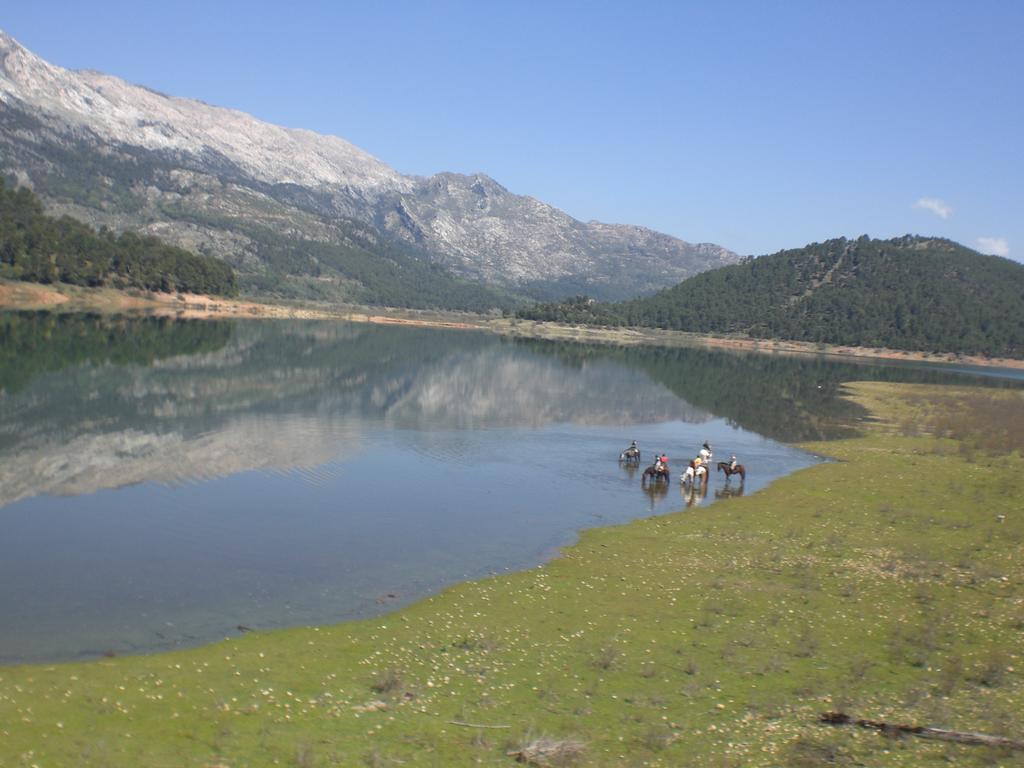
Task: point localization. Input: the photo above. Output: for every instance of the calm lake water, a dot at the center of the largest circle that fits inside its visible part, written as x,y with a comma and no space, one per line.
162,482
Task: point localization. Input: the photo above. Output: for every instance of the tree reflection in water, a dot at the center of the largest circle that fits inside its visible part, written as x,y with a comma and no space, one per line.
787,398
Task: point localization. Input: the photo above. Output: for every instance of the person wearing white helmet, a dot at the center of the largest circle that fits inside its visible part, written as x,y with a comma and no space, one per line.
705,452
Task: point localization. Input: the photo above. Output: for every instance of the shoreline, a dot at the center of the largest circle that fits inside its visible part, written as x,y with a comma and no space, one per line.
663,641
15,295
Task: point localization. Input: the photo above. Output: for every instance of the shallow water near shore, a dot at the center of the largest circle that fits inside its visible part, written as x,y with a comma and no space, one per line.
166,484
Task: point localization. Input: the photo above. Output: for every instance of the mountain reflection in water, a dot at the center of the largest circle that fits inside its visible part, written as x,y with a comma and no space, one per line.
163,481
277,396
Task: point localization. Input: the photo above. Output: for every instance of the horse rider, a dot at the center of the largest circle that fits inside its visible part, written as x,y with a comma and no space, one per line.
705,452
661,463
732,463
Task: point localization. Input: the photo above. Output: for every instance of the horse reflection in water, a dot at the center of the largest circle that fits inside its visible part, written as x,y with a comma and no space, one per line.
654,492
630,468
729,492
694,493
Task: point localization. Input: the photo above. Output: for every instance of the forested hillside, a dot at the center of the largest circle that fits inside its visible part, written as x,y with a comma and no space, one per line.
44,249
911,293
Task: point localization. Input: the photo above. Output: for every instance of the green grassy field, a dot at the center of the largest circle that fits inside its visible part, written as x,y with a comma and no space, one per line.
888,584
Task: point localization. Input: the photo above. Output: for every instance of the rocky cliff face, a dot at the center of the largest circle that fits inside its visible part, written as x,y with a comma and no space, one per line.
214,179
481,230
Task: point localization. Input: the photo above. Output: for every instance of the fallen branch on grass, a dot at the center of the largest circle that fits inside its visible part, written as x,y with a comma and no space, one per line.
476,725
940,734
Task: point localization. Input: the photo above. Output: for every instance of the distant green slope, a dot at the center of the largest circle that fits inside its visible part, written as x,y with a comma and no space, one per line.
910,293
44,249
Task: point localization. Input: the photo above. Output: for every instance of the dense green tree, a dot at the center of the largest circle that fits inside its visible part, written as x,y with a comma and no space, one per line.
44,249
911,293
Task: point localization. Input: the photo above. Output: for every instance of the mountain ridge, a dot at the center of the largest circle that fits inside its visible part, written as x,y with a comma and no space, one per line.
125,155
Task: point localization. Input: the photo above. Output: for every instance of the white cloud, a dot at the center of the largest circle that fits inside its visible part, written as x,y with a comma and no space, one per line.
997,246
940,208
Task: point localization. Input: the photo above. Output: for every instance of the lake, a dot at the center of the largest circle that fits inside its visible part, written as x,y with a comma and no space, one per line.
164,483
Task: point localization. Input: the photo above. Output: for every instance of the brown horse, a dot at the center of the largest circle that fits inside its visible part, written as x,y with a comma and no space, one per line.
656,474
726,467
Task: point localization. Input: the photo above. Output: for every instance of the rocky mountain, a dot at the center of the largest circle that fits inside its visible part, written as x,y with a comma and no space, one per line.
296,212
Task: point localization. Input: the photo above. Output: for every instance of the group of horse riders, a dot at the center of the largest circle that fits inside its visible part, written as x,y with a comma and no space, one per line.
697,468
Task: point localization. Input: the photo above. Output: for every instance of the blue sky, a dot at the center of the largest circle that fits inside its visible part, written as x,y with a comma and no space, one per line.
756,125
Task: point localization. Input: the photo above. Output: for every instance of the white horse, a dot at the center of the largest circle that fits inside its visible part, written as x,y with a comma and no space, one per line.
691,475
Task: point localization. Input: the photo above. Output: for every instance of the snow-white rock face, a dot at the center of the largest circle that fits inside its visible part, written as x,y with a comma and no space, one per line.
470,224
129,114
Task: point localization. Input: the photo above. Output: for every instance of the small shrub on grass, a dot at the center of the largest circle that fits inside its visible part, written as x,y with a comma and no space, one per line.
377,759
951,675
388,681
605,659
715,607
657,738
991,671
551,753
914,645
476,643
480,740
805,645
1017,621
860,667
304,756
815,751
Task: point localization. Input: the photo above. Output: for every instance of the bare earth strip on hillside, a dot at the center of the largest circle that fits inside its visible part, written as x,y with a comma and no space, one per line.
29,296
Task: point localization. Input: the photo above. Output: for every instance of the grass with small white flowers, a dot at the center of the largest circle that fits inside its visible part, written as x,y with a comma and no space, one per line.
888,584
